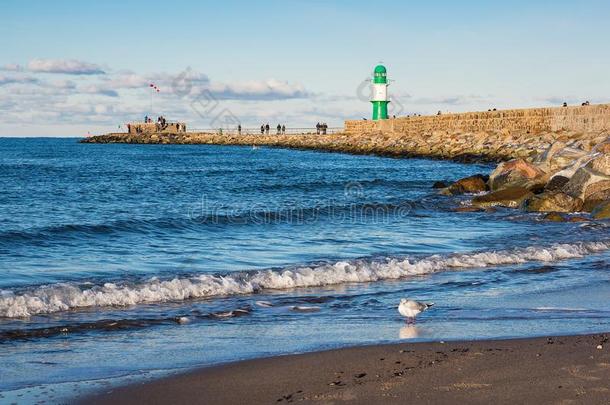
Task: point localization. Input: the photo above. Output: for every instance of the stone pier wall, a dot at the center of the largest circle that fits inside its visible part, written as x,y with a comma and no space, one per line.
591,118
494,135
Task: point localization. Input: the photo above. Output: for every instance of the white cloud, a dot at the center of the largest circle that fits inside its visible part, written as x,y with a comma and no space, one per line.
61,84
17,79
29,96
126,80
97,89
12,67
270,89
65,66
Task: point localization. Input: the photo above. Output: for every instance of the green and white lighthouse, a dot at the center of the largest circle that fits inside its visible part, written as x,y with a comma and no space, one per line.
380,93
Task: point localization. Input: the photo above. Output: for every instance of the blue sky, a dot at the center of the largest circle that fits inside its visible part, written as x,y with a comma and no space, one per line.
69,67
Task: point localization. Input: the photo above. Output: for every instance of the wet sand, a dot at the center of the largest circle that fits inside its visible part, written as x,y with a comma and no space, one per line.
570,369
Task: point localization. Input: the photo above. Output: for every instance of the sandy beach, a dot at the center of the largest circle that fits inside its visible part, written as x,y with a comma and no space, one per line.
568,369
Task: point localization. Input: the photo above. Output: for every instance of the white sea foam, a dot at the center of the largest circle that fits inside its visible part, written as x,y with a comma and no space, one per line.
63,297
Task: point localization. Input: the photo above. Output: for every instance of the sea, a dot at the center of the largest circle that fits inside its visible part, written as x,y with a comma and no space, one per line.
125,263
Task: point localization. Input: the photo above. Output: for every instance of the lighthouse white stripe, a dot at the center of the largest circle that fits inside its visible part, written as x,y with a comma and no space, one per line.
380,92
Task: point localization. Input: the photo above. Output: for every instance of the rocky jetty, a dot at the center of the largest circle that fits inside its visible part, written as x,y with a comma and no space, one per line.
563,179
487,146
553,160
481,136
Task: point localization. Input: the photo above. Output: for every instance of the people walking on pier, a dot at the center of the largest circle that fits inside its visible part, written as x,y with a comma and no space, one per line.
279,129
267,129
320,130
262,129
283,129
318,126
324,128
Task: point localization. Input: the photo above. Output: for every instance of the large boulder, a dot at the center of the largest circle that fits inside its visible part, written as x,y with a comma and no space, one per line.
602,211
543,158
440,184
511,197
603,147
596,198
556,183
517,173
584,181
554,201
600,164
554,217
569,171
558,156
473,184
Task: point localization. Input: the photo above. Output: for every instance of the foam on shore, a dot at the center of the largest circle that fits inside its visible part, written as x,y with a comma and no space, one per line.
59,297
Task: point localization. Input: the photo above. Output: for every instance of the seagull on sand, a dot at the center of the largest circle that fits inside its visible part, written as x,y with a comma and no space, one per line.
410,309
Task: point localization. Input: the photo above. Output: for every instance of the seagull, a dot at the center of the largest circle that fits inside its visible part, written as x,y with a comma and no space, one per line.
410,309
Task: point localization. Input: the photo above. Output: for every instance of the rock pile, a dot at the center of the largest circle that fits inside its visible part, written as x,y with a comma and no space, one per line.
561,179
464,146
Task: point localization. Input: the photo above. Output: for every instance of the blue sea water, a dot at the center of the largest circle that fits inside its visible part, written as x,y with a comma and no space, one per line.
125,262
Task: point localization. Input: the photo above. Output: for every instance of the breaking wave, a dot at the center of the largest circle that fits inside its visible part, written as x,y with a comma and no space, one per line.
60,297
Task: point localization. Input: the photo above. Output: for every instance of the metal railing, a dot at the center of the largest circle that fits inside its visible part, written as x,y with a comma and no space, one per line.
272,131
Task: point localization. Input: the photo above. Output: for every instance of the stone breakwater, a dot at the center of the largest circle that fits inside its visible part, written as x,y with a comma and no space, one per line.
554,160
585,119
490,136
568,183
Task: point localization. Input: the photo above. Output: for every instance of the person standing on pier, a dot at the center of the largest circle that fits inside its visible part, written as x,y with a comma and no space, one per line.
318,128
239,129
267,129
262,129
279,129
283,129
